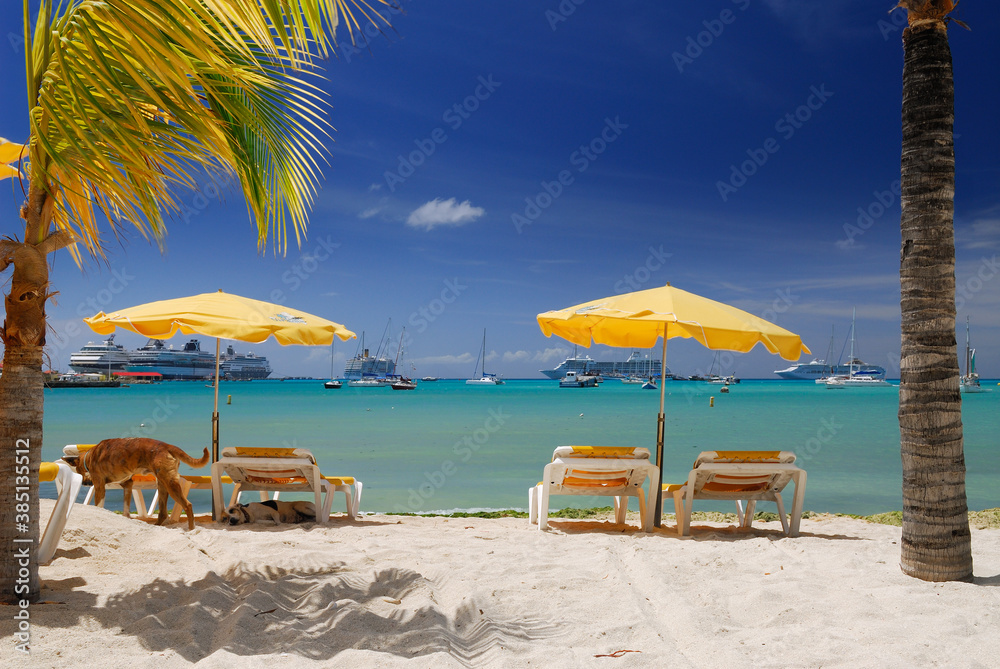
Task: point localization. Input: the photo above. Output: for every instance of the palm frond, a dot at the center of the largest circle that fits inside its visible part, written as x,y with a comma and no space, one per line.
134,99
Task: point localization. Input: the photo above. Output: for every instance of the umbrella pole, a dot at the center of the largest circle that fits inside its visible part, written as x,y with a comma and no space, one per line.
215,419
659,436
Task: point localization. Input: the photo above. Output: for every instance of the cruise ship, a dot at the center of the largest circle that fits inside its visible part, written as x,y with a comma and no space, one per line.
103,357
187,363
240,367
365,366
637,365
818,369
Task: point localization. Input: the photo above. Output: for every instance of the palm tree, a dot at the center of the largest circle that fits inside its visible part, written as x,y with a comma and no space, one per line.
130,100
936,543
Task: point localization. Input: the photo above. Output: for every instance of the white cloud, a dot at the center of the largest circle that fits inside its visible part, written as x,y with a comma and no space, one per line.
368,213
462,359
439,212
374,187
548,355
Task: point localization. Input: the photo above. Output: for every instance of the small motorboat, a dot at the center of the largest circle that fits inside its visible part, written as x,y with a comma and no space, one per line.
333,384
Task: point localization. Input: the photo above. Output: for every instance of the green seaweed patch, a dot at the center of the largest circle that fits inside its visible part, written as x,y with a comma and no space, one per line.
981,520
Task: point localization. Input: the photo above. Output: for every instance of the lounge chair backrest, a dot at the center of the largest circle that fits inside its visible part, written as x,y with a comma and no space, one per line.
778,457
266,452
617,452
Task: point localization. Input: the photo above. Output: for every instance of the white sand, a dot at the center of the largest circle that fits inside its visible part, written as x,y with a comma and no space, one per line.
388,591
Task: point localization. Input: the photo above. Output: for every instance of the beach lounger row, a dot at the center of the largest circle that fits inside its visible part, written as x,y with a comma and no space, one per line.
620,472
744,477
264,470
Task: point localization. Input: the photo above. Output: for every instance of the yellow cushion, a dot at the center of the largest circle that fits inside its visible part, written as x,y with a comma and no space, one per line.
265,452
340,480
47,471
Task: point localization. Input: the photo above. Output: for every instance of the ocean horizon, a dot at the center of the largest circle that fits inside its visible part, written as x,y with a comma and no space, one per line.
451,447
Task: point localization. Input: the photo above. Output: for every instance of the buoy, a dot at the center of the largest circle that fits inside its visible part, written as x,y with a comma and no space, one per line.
229,399
581,415
711,401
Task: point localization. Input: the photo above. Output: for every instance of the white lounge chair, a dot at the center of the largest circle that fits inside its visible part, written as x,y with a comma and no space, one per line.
616,471
740,476
68,484
280,470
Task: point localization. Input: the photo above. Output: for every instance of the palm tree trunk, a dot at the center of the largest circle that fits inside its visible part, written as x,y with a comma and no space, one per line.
21,403
936,542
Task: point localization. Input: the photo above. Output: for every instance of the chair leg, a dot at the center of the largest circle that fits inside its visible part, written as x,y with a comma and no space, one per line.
739,512
646,527
682,513
748,514
532,505
140,502
621,506
89,496
543,508
781,511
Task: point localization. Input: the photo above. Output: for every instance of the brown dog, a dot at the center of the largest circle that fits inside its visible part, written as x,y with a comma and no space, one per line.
117,460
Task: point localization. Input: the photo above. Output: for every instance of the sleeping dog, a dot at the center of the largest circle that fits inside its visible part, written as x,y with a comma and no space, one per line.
272,509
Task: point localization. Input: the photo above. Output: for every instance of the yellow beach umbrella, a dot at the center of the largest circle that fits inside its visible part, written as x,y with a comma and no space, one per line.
223,316
10,153
638,319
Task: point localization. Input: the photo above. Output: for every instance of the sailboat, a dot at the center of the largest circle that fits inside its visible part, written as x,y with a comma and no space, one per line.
969,382
398,381
333,383
486,379
855,379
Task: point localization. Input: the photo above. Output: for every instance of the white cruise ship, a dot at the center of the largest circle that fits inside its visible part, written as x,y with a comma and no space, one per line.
818,369
637,365
104,357
365,366
186,363
240,367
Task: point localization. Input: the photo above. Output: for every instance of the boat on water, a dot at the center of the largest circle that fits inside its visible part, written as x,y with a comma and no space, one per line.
632,380
186,363
403,383
85,380
429,378
969,382
100,357
239,367
637,365
575,380
364,366
819,370
367,382
649,385
486,378
332,384
855,378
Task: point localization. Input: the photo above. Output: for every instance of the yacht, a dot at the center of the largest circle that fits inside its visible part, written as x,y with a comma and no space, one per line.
820,370
487,379
855,378
574,380
103,357
969,382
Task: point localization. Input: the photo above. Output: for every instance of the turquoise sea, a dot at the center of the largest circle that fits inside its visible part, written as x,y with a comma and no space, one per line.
447,446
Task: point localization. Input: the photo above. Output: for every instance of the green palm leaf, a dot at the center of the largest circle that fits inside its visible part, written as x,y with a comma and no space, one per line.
131,99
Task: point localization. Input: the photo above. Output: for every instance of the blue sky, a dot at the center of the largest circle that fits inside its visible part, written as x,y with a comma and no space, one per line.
495,160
